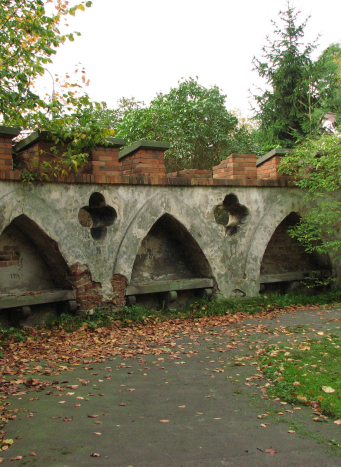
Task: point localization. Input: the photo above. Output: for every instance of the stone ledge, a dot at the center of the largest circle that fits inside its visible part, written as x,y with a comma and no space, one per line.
9,132
143,144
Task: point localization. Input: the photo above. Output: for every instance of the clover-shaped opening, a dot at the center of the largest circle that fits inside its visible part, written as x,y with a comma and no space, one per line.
97,216
231,214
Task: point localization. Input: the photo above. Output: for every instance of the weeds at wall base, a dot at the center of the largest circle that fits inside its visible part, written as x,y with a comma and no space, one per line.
194,310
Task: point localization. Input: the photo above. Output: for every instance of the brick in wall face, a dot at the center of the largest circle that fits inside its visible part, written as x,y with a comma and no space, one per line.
284,253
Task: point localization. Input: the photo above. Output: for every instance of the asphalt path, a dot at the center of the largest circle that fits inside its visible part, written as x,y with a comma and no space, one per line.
200,403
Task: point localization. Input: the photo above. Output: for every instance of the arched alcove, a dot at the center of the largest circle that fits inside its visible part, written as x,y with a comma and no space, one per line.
169,266
169,252
285,262
32,269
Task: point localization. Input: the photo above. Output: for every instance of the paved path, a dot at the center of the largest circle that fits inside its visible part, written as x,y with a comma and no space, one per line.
190,407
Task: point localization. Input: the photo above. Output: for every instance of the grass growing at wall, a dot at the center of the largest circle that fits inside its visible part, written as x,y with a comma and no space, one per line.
198,308
194,310
307,373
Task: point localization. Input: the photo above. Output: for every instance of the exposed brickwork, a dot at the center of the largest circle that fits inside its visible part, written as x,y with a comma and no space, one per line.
9,256
119,284
6,153
237,166
191,173
88,292
145,162
144,166
269,170
284,253
38,152
103,161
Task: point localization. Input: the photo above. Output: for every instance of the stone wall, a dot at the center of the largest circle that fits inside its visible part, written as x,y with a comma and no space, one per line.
108,234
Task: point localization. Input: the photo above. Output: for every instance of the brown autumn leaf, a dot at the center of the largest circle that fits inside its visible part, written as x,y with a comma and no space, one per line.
17,458
270,451
95,454
163,421
92,416
67,419
33,454
337,422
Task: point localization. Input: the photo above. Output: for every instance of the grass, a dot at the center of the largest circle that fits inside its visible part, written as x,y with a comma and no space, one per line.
307,373
194,310
198,308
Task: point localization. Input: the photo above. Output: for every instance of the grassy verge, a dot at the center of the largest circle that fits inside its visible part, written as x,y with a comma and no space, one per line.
308,373
194,310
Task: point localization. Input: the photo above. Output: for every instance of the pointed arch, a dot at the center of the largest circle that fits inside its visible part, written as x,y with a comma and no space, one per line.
263,232
265,229
177,213
31,260
169,252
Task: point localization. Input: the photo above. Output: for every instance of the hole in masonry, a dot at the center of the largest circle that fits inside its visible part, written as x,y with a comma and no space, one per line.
97,216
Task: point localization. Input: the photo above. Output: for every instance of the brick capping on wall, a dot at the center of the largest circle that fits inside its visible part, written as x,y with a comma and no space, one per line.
267,165
142,163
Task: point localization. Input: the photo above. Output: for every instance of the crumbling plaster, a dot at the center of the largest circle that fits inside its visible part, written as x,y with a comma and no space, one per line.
234,260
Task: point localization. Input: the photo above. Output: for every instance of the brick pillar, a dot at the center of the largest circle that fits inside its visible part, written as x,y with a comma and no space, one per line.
267,165
6,136
104,160
144,158
237,166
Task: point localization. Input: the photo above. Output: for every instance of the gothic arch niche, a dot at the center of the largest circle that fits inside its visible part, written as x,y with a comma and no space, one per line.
167,256
286,264
32,270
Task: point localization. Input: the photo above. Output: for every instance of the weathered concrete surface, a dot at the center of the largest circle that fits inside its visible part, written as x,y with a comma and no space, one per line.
211,412
234,261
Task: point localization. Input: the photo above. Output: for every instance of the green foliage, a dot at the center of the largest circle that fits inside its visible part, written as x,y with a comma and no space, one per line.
70,323
302,373
316,165
299,91
29,37
194,120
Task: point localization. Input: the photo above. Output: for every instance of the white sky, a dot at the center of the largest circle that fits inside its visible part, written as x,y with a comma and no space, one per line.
139,47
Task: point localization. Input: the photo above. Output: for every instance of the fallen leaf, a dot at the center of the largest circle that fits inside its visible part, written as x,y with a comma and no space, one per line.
97,433
7,442
291,431
92,416
17,458
33,454
338,422
328,389
95,454
163,421
270,451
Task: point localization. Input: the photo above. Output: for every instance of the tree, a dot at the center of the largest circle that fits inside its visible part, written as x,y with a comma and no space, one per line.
316,165
194,120
29,37
300,91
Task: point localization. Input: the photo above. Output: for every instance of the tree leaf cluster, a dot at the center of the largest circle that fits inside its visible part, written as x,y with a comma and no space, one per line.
299,91
194,119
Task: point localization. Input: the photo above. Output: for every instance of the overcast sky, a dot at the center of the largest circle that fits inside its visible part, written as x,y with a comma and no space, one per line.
137,48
